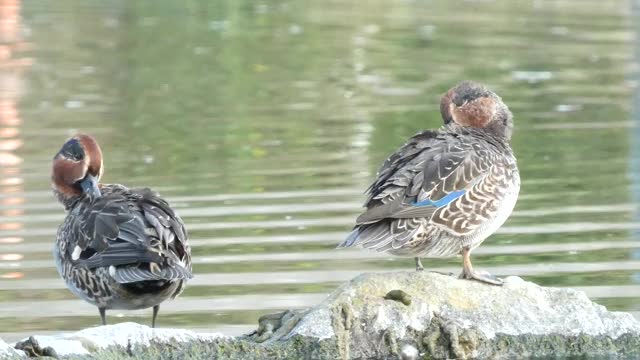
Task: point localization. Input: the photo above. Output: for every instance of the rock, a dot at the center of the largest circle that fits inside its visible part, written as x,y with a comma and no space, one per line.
126,336
31,347
451,318
7,351
409,315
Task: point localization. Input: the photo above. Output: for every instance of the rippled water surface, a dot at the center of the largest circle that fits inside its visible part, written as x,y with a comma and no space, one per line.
263,123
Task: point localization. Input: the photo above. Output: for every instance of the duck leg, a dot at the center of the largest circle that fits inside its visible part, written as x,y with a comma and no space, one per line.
419,267
470,274
103,315
155,314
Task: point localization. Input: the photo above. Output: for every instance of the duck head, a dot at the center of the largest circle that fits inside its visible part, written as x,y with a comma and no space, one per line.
471,104
77,168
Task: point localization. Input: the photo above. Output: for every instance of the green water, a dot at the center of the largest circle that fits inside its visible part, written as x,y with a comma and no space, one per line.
263,123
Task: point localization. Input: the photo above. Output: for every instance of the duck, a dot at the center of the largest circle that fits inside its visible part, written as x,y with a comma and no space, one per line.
117,248
445,191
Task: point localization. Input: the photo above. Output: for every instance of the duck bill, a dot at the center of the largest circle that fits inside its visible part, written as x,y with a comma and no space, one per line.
90,187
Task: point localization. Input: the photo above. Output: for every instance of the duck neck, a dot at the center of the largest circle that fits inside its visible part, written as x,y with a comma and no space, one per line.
490,135
68,201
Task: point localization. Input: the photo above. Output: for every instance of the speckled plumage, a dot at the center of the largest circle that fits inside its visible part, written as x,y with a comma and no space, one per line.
126,249
444,190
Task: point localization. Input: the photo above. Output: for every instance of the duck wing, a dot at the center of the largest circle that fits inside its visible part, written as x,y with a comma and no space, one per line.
418,185
134,231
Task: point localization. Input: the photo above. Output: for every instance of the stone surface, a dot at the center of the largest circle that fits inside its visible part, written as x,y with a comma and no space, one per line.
395,315
447,317
7,350
124,335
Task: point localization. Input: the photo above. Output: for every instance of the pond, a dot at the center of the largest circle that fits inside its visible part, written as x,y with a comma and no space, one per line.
264,122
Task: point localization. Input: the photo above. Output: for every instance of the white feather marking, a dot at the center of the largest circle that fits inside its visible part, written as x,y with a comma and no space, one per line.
76,253
112,271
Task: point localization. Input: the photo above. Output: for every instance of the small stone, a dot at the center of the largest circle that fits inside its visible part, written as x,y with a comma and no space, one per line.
32,348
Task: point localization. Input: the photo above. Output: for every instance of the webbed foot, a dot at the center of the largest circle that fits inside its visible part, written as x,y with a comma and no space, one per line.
470,274
481,276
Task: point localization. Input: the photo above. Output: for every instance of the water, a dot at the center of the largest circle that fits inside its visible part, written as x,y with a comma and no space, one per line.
263,123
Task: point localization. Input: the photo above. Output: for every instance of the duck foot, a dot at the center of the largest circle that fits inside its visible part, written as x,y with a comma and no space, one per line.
470,274
419,267
481,276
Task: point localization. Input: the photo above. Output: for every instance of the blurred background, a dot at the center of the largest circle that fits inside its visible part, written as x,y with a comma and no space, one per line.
263,122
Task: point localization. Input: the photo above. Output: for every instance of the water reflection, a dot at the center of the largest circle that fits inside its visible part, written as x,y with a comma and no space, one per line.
12,67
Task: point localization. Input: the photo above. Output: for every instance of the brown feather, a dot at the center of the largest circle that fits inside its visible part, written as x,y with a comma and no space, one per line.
65,173
476,113
93,153
445,103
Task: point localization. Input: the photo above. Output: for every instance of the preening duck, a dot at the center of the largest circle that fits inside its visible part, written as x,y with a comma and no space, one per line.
445,191
118,248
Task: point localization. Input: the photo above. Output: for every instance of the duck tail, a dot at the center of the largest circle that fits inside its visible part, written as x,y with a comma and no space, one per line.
130,274
375,236
351,239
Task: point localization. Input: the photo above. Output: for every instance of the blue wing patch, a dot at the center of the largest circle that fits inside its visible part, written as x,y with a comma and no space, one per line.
442,202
